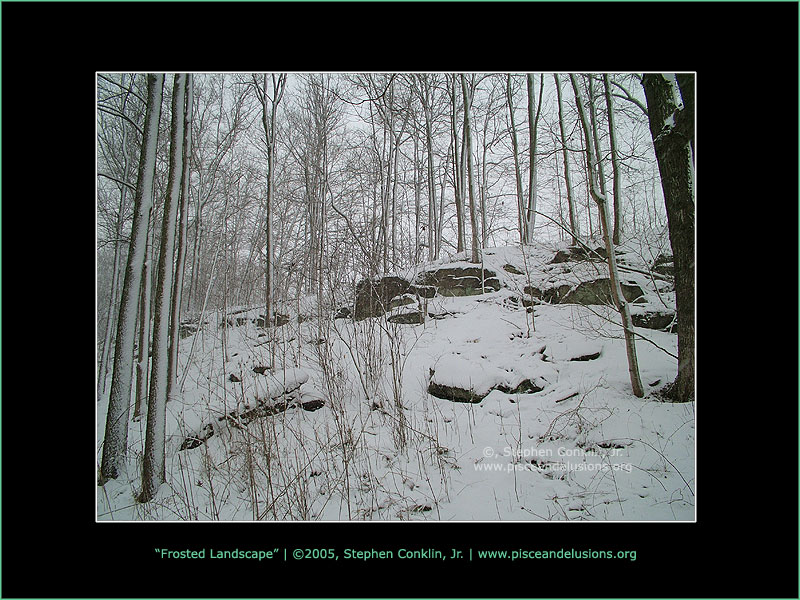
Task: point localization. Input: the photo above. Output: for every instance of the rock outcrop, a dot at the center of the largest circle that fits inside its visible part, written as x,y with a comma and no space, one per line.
662,320
374,297
586,293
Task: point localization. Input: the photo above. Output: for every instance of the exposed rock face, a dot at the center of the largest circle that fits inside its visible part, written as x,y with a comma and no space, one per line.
277,320
374,297
656,320
454,393
575,253
459,394
408,318
587,292
275,397
460,281
187,329
403,300
343,313
585,357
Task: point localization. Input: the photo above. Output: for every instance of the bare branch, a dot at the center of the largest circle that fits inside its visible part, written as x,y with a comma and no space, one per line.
130,186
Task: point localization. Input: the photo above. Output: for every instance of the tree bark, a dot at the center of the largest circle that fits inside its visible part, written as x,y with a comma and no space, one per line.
615,172
616,289
573,224
533,120
116,430
154,460
517,171
672,129
458,188
180,261
468,153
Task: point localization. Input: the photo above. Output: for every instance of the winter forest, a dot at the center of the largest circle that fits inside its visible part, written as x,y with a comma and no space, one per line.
395,296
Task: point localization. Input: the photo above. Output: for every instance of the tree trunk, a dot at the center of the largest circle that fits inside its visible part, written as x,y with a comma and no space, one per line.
616,289
154,460
180,261
615,173
533,120
468,153
573,223
517,171
143,363
458,189
116,431
111,319
432,208
672,129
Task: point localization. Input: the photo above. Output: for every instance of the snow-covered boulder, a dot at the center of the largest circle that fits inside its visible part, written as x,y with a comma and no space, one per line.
461,378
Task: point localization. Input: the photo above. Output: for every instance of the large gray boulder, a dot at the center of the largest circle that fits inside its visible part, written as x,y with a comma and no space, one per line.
585,293
459,281
374,296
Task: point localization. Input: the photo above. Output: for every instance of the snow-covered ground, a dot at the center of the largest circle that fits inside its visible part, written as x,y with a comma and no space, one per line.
383,448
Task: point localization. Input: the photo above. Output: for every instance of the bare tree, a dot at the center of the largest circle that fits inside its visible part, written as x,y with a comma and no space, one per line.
573,223
468,95
515,152
269,109
615,172
154,460
458,167
672,128
116,431
533,120
180,261
616,289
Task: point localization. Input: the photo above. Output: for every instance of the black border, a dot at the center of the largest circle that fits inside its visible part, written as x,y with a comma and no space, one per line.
745,54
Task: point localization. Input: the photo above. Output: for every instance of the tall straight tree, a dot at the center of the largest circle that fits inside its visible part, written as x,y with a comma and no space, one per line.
573,223
468,93
672,129
605,222
154,461
180,260
515,152
269,111
116,431
426,94
458,170
615,172
533,121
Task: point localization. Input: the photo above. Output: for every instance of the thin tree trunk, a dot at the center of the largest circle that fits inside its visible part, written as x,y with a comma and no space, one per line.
468,153
601,175
573,223
458,191
533,120
517,171
154,460
615,172
116,431
616,289
180,261
111,319
432,209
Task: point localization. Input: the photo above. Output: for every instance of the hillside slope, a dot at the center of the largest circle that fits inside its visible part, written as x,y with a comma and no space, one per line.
324,418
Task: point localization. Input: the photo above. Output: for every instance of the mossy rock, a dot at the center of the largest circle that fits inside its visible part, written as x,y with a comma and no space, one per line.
454,394
374,296
409,318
